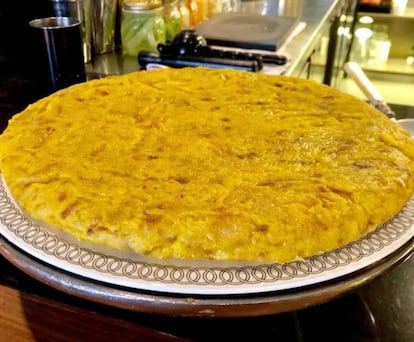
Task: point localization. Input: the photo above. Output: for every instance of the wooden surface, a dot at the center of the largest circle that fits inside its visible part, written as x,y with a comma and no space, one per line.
28,317
32,311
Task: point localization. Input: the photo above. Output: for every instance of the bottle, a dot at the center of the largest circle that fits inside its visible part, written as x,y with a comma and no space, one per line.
380,45
410,59
230,6
172,19
202,11
363,35
192,9
185,14
214,7
142,26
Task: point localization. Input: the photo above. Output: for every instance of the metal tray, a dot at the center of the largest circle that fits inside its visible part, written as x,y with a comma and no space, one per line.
198,306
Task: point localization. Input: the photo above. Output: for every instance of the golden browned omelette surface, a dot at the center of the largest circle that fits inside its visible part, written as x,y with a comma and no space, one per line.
210,164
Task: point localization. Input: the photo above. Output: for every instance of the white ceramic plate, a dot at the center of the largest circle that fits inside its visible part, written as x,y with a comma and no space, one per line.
135,271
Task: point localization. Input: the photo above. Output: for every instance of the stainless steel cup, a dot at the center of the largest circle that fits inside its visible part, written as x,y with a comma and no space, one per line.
81,9
60,48
103,25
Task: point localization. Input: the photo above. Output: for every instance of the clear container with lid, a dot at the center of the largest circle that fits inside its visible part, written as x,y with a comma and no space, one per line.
172,19
142,26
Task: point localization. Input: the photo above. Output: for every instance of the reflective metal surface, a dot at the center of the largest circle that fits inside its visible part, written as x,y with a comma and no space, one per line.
103,25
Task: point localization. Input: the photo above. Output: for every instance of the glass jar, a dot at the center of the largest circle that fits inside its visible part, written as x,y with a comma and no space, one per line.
363,34
214,7
202,11
231,6
193,11
142,26
185,14
172,19
380,45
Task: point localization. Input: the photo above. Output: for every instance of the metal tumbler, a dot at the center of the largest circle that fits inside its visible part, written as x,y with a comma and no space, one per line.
60,47
103,26
81,9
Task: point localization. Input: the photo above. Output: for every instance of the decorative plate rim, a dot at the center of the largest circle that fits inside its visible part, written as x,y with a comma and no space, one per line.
139,272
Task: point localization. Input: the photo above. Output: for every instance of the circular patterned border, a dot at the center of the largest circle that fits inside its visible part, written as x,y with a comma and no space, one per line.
49,244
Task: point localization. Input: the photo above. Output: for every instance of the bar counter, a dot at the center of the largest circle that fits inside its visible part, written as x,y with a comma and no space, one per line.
315,19
380,309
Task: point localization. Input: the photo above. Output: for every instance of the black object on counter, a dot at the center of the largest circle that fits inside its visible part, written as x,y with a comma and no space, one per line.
189,48
248,30
145,58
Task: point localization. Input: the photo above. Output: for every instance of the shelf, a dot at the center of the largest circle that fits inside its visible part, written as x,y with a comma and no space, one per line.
395,70
400,29
409,14
393,66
